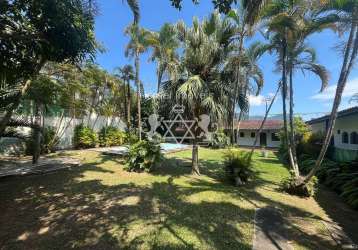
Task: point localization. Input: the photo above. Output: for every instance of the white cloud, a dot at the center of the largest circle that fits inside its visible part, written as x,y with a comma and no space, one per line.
256,100
329,93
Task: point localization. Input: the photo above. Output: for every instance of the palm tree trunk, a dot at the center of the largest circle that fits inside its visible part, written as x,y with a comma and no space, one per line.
160,76
4,121
264,120
349,57
125,101
237,84
284,109
292,128
241,114
129,101
138,96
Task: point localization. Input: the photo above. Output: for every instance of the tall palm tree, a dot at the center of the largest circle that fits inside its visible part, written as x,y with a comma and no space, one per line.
126,73
289,24
199,83
138,44
345,14
243,30
252,76
164,44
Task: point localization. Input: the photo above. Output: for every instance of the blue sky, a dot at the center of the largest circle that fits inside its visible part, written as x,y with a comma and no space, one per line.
114,16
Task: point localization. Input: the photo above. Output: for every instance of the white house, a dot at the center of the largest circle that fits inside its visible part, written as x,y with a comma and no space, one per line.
268,138
345,133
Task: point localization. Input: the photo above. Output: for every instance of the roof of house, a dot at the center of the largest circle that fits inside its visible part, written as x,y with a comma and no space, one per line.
345,112
255,125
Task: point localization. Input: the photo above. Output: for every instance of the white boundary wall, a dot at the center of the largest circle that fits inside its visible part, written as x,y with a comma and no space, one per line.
68,125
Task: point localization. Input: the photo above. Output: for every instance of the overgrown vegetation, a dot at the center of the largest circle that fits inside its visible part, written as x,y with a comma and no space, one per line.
238,166
84,137
342,177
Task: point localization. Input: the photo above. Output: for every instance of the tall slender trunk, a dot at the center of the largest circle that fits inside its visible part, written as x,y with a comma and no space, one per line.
138,96
241,114
241,42
160,76
37,133
125,101
264,120
350,56
291,115
284,109
129,104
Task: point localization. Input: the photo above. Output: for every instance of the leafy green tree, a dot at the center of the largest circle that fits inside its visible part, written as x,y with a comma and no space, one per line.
138,44
126,73
164,44
35,32
199,83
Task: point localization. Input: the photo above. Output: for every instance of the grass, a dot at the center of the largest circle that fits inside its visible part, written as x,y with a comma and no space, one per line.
100,206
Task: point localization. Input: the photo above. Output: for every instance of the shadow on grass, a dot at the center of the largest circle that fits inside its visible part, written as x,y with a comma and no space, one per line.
60,211
338,211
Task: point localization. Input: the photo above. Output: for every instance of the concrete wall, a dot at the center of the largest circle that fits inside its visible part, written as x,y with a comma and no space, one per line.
347,124
247,140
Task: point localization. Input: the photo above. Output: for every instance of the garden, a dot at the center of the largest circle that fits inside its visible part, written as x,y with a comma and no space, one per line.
90,159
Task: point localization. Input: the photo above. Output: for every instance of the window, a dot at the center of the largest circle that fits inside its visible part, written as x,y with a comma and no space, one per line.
344,137
253,134
338,131
354,138
274,137
242,134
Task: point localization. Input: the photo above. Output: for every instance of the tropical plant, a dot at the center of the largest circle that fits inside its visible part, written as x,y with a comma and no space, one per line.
84,137
289,185
219,140
126,73
164,44
143,156
238,166
198,83
344,13
111,136
240,76
138,44
288,26
134,5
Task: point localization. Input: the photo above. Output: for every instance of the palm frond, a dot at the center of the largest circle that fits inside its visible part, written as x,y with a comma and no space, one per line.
134,5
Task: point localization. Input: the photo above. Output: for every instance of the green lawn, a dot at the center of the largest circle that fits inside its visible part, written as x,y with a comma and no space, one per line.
100,206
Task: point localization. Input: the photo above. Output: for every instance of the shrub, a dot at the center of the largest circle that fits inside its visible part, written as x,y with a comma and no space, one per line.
289,186
84,137
238,166
143,156
131,137
111,136
49,141
350,191
219,140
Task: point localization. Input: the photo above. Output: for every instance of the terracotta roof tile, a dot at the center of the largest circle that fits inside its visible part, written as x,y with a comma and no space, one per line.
255,124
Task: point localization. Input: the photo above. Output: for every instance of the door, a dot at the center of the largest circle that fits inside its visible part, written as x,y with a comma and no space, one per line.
263,140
